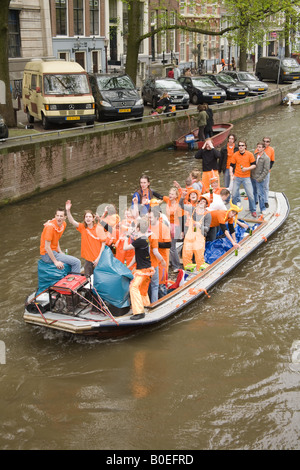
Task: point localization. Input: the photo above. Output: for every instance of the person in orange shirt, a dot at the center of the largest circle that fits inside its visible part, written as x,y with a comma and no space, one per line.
50,250
93,238
122,255
162,232
226,153
271,154
219,219
242,163
174,213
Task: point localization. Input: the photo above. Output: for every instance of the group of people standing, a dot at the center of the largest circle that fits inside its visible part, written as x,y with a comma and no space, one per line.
241,167
145,238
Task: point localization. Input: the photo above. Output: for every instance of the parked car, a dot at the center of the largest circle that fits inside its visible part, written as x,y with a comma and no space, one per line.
256,87
3,128
154,88
268,68
234,90
202,90
115,96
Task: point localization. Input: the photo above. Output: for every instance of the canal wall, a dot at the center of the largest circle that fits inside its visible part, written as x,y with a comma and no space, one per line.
49,160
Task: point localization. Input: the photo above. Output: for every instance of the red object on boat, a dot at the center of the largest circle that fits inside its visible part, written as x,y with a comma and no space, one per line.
69,284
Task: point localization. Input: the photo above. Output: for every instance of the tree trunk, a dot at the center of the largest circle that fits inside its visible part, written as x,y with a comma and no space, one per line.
287,28
243,47
133,43
6,106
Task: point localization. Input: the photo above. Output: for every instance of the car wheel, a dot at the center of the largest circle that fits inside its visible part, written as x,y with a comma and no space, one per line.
45,122
30,118
195,99
186,106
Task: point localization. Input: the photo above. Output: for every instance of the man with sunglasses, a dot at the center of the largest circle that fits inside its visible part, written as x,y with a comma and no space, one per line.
244,162
271,154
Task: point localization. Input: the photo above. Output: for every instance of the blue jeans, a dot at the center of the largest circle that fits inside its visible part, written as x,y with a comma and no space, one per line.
75,263
259,193
227,178
153,287
246,182
266,187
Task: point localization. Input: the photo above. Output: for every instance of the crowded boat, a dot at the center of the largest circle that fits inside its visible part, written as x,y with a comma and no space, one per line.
161,243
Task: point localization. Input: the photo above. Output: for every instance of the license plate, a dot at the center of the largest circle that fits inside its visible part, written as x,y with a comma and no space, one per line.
296,78
241,93
216,97
260,89
125,110
176,101
73,118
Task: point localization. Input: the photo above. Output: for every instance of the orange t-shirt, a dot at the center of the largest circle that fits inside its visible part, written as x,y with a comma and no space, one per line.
230,152
246,159
173,212
271,153
219,217
153,240
162,232
91,241
51,233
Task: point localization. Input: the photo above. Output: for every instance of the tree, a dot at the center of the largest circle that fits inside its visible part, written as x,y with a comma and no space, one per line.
6,108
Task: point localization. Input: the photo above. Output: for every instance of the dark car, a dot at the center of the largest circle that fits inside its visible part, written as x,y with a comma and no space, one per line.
234,90
202,90
256,87
115,97
154,88
3,129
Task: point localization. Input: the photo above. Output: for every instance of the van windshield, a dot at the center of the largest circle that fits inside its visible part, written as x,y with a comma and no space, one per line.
115,83
66,84
290,63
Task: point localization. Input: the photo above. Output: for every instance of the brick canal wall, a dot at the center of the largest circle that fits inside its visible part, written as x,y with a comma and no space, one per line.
52,160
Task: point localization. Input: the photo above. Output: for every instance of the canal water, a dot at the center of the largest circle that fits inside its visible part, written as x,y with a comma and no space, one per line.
220,375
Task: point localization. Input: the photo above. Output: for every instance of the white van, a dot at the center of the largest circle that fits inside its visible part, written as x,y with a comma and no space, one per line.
57,91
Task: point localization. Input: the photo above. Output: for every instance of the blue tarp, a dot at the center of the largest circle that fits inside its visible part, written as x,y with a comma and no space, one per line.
48,274
112,279
217,248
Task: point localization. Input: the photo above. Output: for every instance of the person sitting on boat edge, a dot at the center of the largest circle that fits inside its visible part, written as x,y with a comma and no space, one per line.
210,162
138,288
93,238
219,220
50,250
141,198
194,240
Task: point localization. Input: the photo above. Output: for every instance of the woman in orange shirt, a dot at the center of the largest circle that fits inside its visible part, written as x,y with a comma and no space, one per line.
93,238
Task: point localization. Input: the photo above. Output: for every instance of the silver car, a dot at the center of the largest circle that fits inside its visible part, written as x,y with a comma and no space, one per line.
255,86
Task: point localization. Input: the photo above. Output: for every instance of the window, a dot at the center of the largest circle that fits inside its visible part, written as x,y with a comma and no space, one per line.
78,18
61,17
94,17
14,39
